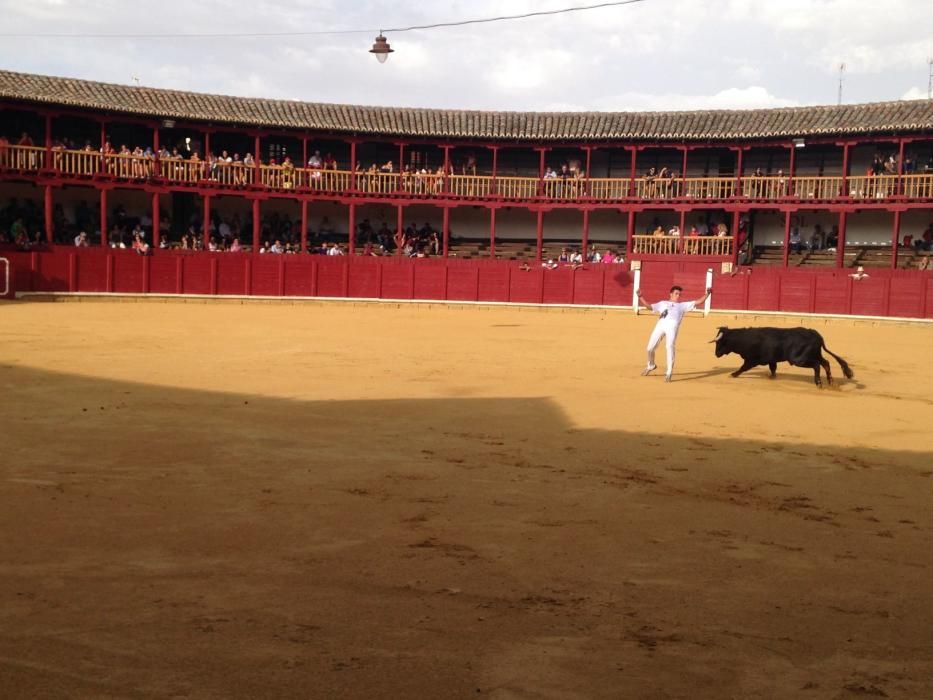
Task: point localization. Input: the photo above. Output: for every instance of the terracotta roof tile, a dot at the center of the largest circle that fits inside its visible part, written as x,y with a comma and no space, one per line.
877,118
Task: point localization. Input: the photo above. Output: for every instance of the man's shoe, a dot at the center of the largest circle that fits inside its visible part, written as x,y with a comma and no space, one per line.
648,370
667,379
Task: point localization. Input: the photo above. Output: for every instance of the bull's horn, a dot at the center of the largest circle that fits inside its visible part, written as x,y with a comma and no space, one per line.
718,336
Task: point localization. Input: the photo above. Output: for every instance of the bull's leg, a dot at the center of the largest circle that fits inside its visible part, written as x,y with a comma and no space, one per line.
773,367
829,374
744,368
816,374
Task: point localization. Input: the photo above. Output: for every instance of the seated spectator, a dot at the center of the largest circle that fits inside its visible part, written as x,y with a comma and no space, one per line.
564,256
164,243
140,245
859,274
550,264
235,246
315,162
576,258
593,256
619,258
925,263
608,258
81,240
795,242
277,248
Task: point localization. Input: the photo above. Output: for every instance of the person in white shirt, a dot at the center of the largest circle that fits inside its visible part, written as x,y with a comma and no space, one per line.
671,312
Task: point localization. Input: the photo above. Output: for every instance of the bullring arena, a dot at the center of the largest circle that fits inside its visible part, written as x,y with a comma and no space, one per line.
209,498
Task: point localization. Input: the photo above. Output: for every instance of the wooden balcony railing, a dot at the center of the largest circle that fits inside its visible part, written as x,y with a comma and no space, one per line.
433,184
675,245
22,158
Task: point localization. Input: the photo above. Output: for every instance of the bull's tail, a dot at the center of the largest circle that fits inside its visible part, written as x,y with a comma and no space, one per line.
846,370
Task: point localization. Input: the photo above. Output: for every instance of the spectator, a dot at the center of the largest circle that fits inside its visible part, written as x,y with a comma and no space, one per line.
81,240
795,242
277,248
859,274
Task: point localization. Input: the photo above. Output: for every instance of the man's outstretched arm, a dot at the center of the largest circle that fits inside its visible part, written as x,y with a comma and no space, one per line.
709,290
641,299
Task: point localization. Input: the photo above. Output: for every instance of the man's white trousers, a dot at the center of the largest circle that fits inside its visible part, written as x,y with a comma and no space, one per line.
668,331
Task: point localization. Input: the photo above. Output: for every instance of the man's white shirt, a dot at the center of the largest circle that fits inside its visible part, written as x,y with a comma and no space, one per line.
673,312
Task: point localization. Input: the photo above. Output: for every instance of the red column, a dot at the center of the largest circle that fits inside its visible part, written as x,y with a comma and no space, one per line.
495,168
49,224
629,234
401,159
631,187
257,225
156,168
683,177
446,169
206,221
541,151
786,237
446,231
738,173
586,232
845,170
156,221
351,247
900,168
589,162
841,243
103,219
257,152
400,224
304,222
683,231
48,142
735,237
353,166
791,170
895,238
492,232
207,145
103,140
540,235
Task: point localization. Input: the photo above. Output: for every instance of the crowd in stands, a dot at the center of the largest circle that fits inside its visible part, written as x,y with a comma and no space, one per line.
21,224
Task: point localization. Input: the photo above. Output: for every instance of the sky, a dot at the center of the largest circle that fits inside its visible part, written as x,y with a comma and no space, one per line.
653,55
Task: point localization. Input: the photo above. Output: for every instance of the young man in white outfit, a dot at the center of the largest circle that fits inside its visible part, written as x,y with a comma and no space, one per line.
671,313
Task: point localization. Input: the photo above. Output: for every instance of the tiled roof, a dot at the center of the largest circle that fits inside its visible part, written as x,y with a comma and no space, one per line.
900,117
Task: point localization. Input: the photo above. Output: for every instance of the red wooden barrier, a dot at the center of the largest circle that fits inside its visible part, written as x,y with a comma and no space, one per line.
901,293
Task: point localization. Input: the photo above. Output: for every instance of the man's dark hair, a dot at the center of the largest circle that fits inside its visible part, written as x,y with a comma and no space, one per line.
676,288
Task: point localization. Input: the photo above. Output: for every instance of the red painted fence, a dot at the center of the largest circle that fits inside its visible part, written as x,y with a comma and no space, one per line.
903,293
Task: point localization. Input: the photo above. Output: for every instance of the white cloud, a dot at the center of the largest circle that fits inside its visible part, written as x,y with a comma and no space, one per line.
915,93
731,98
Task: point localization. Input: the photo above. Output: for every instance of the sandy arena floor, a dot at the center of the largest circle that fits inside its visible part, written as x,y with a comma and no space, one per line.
216,500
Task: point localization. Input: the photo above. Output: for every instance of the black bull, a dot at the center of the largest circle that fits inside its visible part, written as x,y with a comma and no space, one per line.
768,346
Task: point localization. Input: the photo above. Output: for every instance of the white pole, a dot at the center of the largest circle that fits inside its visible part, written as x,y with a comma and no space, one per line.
636,285
6,277
709,285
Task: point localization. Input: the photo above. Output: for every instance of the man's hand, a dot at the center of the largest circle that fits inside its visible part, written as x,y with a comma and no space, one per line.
709,290
638,292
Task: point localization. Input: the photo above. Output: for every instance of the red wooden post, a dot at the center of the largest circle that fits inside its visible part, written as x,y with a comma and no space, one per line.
895,239
540,235
589,162
541,151
257,171
304,225
351,244
495,167
206,221
401,159
400,225
683,176
353,166
48,142
156,221
900,168
103,219
103,140
156,168
49,224
786,238
683,231
207,145
735,237
257,226
791,171
492,232
446,231
586,232
841,243
845,170
629,234
631,186
446,169
738,172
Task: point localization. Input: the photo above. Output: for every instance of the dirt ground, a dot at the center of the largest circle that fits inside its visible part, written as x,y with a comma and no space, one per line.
271,500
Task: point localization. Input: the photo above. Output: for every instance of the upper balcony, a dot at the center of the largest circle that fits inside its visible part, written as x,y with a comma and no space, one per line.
284,179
